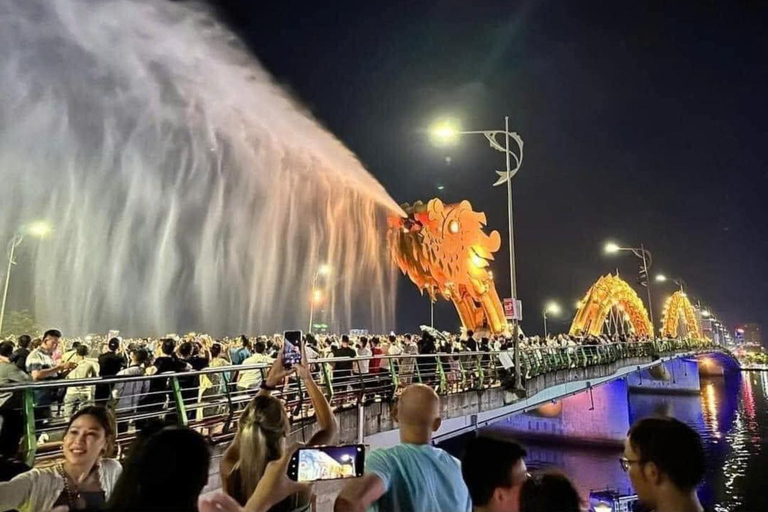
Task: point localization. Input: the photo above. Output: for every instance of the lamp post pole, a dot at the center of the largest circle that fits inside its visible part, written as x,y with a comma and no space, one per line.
15,241
544,316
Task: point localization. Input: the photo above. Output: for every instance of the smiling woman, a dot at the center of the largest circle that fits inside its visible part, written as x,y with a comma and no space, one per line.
84,481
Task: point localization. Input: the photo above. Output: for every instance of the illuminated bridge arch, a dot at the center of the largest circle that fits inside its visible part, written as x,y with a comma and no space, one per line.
613,305
679,318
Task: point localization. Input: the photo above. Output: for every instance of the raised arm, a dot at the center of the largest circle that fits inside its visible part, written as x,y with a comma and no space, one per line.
329,427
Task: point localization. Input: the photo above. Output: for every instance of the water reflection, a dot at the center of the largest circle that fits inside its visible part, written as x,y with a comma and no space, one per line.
730,414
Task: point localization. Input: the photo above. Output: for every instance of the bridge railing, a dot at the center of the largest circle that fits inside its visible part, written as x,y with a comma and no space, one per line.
212,400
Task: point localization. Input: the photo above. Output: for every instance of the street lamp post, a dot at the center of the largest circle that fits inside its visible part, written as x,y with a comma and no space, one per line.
552,308
446,133
661,278
645,255
39,229
316,295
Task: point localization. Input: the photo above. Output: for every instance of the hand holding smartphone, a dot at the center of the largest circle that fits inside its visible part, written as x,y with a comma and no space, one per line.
292,348
318,463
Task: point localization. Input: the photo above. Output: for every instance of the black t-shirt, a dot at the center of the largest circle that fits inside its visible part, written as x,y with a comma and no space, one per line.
165,364
198,362
110,363
471,345
19,358
344,366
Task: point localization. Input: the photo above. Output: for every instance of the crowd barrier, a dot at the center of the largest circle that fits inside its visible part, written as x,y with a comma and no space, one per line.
211,400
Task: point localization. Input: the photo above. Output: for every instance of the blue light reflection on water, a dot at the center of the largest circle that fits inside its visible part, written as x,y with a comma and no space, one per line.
730,414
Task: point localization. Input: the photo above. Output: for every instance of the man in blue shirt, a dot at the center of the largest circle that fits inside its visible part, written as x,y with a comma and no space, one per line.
238,355
414,475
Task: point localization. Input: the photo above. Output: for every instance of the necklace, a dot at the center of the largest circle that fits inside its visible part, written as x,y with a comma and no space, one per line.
73,495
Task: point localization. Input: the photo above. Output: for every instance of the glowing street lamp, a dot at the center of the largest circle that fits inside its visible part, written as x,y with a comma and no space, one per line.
447,131
705,313
39,229
661,278
317,295
645,255
552,308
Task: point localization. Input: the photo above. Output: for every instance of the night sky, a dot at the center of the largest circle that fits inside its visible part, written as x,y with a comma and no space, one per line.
643,121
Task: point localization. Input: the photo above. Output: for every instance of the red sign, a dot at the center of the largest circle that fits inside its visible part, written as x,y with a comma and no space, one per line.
513,309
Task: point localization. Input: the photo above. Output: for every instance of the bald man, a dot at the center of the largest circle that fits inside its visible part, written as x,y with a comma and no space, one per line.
414,475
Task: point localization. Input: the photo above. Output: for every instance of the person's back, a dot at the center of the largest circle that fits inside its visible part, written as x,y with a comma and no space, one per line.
419,477
413,476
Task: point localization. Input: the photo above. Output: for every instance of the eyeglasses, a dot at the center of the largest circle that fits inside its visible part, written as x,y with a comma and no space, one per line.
625,463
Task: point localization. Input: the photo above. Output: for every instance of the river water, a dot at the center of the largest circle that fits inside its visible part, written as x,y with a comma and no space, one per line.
730,414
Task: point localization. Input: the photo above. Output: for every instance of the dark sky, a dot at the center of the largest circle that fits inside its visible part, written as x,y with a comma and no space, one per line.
644,122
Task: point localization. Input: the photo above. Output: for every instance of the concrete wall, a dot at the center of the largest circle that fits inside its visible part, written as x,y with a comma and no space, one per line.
675,376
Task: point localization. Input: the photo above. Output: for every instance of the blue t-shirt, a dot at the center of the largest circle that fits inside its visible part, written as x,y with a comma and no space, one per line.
238,355
418,478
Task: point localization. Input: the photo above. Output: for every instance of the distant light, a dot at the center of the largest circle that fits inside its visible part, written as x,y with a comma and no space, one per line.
552,308
445,132
611,248
317,295
40,229
324,270
661,278
453,226
441,187
705,313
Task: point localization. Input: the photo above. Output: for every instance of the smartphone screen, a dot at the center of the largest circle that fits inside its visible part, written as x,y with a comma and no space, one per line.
291,348
327,463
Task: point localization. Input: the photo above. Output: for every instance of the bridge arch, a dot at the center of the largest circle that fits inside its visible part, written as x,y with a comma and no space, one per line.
679,318
611,301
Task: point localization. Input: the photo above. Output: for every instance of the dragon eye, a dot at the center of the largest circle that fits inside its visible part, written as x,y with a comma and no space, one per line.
453,226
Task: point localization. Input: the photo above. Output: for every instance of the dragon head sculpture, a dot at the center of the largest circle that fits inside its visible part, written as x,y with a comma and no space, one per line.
445,252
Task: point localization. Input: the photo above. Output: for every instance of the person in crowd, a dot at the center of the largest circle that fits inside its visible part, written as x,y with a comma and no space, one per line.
70,354
471,344
129,393
78,396
414,475
251,379
41,367
494,471
189,384
363,367
110,364
427,365
154,400
664,458
261,434
342,370
550,492
212,384
239,354
407,364
377,352
83,481
19,357
12,425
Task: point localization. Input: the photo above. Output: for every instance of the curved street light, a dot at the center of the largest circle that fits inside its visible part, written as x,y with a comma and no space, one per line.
645,255
446,132
553,308
38,229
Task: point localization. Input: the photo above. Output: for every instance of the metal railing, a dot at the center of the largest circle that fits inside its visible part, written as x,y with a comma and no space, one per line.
212,400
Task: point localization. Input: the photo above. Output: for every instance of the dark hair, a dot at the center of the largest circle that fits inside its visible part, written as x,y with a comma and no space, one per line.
259,347
392,338
53,333
113,344
470,333
168,346
185,349
363,341
24,340
244,341
75,344
215,350
375,341
82,350
164,471
344,338
549,492
141,355
487,464
106,420
6,349
673,446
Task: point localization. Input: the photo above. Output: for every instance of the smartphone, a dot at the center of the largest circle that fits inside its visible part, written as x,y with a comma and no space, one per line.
292,348
318,463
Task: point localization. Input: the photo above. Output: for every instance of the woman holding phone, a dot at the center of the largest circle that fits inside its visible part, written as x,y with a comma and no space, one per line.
261,436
